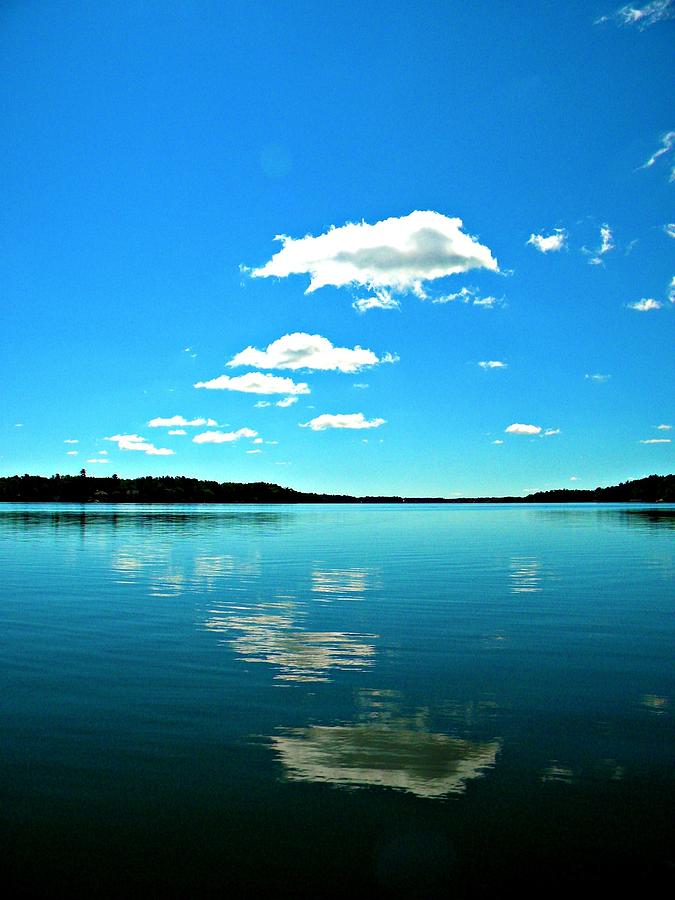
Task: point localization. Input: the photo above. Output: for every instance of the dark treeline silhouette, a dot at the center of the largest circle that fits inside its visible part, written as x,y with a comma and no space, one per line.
84,489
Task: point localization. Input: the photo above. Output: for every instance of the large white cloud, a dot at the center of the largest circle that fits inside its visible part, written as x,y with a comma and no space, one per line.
549,243
397,255
309,351
135,442
342,420
255,383
223,437
179,422
519,428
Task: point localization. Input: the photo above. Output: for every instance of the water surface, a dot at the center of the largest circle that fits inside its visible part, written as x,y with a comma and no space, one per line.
415,699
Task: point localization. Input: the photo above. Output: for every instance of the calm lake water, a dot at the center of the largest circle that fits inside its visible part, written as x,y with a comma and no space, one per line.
424,700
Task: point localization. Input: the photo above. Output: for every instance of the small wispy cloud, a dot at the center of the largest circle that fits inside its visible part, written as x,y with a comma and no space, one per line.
223,437
550,243
640,16
667,141
177,431
360,385
342,420
71,441
520,428
644,305
664,427
286,401
498,441
606,244
72,452
379,299
180,422
597,377
189,352
670,229
310,351
574,478
671,290
550,432
492,364
139,444
657,441
254,451
100,461
469,295
255,383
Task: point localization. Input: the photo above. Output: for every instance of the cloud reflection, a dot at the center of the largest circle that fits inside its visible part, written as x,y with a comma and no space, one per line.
268,633
340,584
385,749
525,575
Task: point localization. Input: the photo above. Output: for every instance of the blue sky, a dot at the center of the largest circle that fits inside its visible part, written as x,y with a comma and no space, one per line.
458,183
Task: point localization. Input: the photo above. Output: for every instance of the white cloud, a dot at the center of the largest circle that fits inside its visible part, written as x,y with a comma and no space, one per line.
606,244
270,442
98,460
287,401
309,351
574,478
657,441
361,385
259,440
135,442
71,452
671,290
645,304
664,427
381,299
469,295
667,141
254,451
551,243
71,441
551,431
670,229
341,420
177,431
255,383
180,422
640,16
223,437
498,441
492,364
518,428
598,377
261,404
102,452
394,256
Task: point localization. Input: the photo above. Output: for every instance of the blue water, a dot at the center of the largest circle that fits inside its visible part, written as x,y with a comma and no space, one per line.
422,700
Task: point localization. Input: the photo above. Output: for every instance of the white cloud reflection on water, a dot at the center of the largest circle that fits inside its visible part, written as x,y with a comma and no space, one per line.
341,584
269,633
525,575
393,756
384,748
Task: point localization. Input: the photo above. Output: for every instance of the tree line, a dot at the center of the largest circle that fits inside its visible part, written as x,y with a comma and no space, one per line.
83,488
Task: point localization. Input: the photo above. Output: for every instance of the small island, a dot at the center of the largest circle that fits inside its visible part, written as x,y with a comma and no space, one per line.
179,489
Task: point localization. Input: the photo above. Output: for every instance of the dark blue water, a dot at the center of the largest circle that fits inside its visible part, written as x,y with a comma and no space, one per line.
416,700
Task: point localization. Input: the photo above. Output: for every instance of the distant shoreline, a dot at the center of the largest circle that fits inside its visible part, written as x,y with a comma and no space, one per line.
179,489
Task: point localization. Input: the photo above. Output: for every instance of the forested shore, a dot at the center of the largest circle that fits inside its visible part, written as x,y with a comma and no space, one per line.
83,488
